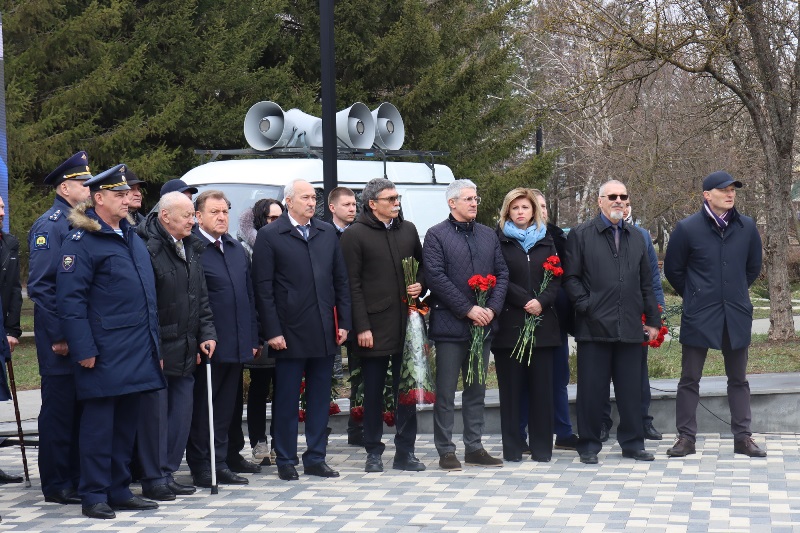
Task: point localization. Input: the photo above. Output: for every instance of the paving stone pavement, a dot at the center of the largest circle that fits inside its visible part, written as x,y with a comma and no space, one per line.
710,491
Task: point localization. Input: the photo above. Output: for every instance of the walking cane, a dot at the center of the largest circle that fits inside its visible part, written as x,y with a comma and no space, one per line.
214,486
10,367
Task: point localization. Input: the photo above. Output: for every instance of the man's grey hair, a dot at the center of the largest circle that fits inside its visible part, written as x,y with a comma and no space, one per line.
602,190
173,200
288,191
373,188
455,188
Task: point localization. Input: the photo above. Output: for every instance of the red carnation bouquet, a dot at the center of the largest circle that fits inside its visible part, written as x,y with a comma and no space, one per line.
481,285
416,383
662,331
527,337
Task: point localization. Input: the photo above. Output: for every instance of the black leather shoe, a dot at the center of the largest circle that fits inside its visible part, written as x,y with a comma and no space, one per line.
651,433
356,438
64,497
604,433
321,470
287,473
136,503
588,458
99,510
9,478
226,477
202,479
374,463
180,490
160,492
241,465
639,455
408,462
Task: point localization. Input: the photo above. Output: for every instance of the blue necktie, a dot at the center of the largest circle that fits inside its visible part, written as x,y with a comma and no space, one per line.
303,230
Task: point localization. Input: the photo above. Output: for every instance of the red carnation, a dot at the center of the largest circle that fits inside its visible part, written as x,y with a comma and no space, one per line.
553,260
492,280
302,415
429,397
334,409
558,271
388,418
475,281
357,413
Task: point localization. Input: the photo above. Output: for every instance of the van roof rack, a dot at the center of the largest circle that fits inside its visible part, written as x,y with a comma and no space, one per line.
424,156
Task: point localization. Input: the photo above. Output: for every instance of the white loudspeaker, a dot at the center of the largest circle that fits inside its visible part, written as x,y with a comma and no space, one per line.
355,127
265,126
389,130
307,129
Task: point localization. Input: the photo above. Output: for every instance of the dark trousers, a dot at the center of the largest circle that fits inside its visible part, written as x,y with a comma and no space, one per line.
599,362
646,418
59,430
288,376
262,381
108,427
162,431
452,359
692,362
235,431
513,378
224,386
373,372
354,427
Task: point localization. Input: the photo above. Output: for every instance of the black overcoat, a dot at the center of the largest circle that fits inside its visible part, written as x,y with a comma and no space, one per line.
297,284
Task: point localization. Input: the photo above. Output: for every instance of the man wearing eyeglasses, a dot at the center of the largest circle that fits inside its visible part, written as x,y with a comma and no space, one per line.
609,280
455,250
374,247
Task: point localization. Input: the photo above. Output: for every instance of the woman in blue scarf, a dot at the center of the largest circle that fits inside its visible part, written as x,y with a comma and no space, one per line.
526,246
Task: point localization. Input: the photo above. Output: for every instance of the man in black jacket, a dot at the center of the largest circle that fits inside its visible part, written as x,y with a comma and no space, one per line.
10,288
187,328
609,280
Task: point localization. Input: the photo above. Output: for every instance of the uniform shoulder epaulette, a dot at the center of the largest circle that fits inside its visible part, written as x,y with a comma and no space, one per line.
55,215
77,235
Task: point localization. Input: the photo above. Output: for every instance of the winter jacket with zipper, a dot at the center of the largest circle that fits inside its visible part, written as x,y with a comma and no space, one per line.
610,289
184,312
374,255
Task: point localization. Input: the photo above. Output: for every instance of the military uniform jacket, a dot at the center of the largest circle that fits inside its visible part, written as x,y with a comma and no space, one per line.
107,304
44,242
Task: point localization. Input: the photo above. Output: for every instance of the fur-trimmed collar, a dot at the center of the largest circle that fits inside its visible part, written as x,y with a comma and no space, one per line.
80,220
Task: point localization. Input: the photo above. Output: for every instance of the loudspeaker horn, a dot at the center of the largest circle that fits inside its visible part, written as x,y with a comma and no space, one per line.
389,129
355,127
265,126
307,129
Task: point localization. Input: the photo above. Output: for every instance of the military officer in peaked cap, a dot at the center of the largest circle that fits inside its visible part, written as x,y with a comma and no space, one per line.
135,198
107,305
60,412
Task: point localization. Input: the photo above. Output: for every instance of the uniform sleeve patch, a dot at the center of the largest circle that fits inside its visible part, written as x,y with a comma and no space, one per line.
41,241
68,263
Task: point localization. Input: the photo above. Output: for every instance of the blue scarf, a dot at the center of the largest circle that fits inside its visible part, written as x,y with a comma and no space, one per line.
526,237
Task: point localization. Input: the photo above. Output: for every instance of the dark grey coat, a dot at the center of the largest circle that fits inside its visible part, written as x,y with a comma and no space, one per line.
610,290
374,257
712,271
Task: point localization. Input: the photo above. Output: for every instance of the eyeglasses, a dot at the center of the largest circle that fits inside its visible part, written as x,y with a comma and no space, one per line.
392,199
470,199
613,197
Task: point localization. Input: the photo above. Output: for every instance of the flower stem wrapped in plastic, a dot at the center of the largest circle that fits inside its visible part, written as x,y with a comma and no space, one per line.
416,384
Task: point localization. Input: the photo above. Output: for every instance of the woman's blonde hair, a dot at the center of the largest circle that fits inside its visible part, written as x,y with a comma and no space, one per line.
516,194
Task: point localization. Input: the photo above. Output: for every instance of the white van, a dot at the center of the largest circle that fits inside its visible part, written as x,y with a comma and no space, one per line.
245,181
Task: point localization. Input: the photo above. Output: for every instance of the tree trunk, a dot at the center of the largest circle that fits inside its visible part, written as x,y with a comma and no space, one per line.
776,246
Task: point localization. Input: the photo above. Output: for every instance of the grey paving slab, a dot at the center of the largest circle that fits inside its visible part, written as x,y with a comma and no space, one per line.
710,491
